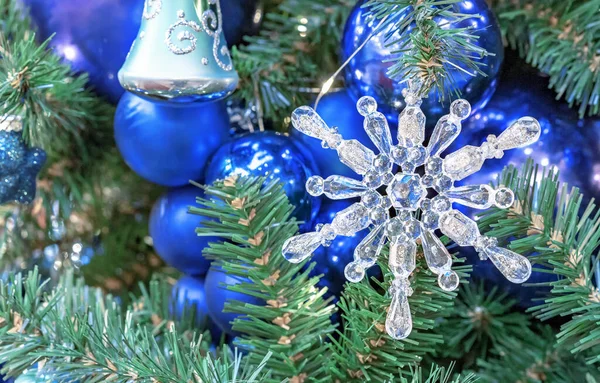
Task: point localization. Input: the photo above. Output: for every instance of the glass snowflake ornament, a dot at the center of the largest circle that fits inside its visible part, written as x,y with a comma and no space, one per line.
406,192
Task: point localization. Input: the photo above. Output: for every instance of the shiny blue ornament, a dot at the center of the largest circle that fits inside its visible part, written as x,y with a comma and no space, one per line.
274,156
166,144
336,109
100,48
366,74
215,284
568,143
331,261
92,36
188,296
173,231
19,167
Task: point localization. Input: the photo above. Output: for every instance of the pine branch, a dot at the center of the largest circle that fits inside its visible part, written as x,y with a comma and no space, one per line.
364,351
288,53
294,320
438,374
533,358
560,38
75,333
432,50
549,222
479,321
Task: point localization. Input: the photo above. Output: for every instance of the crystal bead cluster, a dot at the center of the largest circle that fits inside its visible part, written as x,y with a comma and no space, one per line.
406,193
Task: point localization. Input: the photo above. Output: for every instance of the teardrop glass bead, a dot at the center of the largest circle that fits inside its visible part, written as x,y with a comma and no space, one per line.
398,323
352,219
411,125
459,228
402,257
368,250
525,131
515,267
307,121
296,249
356,156
377,128
463,162
340,187
445,132
475,196
437,256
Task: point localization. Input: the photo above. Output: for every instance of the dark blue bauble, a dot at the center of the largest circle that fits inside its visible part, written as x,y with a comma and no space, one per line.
95,36
241,18
570,144
19,167
337,109
274,156
217,294
173,231
169,145
366,74
189,293
331,261
92,36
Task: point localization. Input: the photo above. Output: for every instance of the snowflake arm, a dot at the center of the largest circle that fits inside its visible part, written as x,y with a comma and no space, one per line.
406,193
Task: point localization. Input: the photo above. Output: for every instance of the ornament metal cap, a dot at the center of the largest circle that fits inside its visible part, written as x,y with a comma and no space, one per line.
180,53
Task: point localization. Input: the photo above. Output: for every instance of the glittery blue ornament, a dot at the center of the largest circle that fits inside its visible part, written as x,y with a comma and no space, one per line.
274,156
366,74
189,294
19,165
166,144
173,231
217,295
331,261
100,48
339,110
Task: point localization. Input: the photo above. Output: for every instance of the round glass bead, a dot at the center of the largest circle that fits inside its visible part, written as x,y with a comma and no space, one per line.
370,199
399,154
460,109
366,105
382,164
379,215
504,198
434,166
427,181
441,204
412,229
354,272
387,178
314,186
430,220
448,280
372,180
443,184
394,227
426,204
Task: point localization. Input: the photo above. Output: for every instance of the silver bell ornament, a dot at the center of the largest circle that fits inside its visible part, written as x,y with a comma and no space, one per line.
180,53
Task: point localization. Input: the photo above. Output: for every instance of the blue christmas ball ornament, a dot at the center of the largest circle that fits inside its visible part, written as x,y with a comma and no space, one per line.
274,156
100,48
173,231
331,261
92,36
366,74
166,144
215,286
19,164
568,145
337,109
189,296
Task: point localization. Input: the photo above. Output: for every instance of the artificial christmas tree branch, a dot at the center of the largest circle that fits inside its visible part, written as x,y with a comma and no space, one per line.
75,333
294,319
433,49
562,39
549,222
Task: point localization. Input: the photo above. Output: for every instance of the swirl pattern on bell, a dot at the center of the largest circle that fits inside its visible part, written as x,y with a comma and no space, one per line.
180,54
406,194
